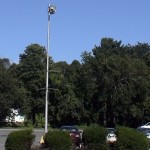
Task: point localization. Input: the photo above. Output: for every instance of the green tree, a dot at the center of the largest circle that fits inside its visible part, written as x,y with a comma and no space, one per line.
118,84
8,90
64,105
31,73
21,93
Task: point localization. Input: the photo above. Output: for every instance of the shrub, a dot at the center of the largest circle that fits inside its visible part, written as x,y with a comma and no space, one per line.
131,139
19,140
94,138
58,140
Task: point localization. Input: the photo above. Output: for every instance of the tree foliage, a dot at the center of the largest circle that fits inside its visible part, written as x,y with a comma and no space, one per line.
121,83
10,93
31,73
109,86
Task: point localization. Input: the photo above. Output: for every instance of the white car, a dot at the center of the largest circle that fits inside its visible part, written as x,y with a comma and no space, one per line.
147,133
111,138
147,125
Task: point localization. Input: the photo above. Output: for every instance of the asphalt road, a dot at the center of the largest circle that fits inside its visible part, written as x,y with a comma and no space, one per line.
4,133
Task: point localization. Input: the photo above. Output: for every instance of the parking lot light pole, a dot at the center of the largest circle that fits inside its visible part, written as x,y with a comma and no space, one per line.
51,11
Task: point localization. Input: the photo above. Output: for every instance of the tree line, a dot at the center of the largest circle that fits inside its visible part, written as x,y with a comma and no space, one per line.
109,86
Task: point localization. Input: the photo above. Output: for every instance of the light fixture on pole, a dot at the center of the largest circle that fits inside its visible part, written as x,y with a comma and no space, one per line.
51,11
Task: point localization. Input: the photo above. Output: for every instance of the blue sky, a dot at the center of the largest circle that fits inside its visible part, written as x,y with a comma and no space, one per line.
78,25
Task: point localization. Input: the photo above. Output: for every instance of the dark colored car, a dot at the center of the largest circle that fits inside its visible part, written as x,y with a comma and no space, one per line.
74,134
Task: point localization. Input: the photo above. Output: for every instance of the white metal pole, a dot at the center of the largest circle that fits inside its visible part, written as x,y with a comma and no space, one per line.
47,74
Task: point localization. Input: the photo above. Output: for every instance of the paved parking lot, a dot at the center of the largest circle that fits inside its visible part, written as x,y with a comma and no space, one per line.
4,133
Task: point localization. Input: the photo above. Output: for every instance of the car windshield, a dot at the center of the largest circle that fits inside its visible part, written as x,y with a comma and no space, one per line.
147,124
111,130
69,128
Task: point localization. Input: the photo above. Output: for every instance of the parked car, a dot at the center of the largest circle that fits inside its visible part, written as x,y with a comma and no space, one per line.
74,134
145,126
111,138
147,133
